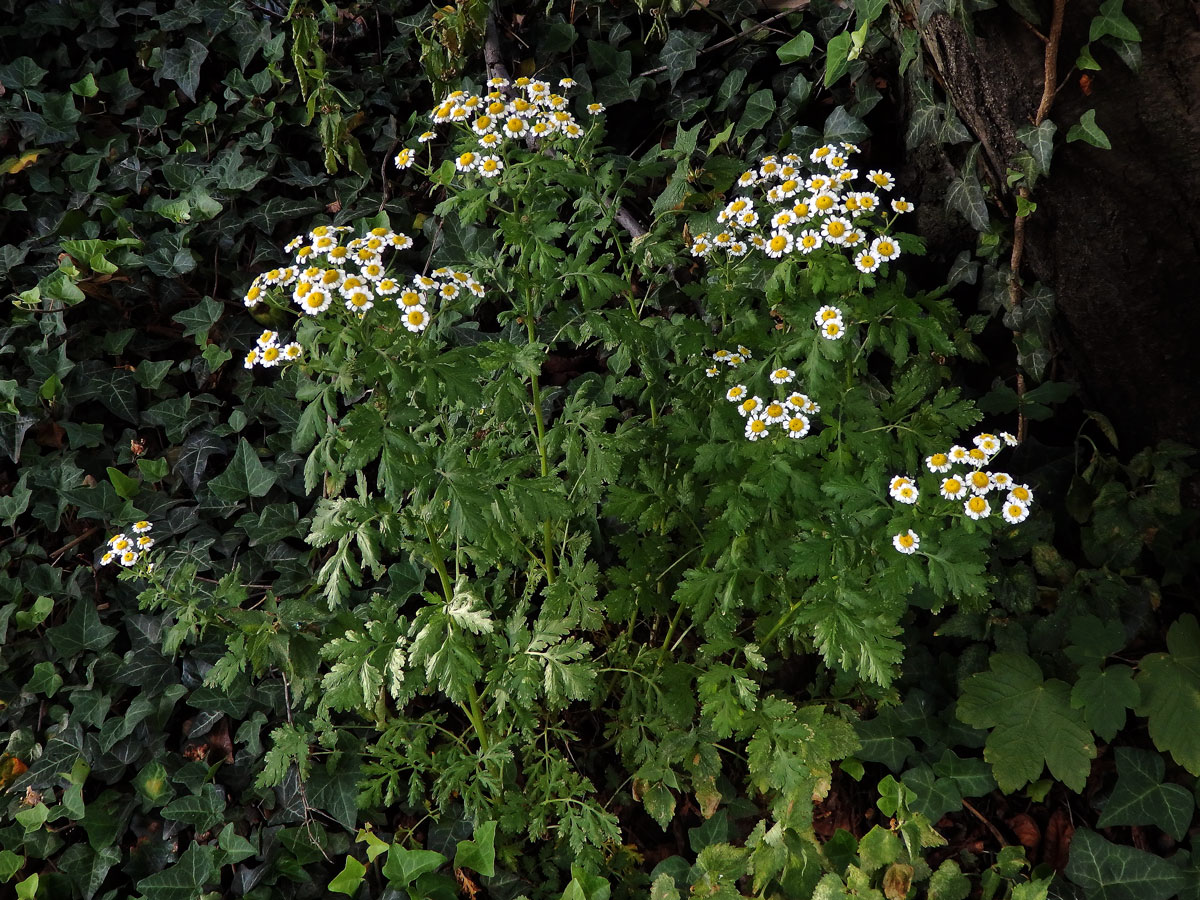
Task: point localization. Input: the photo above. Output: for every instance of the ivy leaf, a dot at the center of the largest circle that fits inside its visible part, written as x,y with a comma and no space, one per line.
1040,141
1170,686
82,631
1087,130
1140,797
404,866
799,47
760,106
186,879
347,881
680,51
1032,723
245,476
203,810
479,853
965,195
837,57
1111,20
182,65
1104,695
1111,872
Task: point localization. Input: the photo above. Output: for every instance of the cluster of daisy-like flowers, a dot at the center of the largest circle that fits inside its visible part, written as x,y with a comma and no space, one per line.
971,484
830,323
792,413
127,549
799,210
510,111
335,270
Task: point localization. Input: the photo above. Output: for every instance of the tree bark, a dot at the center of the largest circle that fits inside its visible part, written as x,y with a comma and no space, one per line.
1116,233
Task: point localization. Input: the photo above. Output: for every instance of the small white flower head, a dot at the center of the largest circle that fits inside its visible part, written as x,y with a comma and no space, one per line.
809,240
782,376
853,238
837,160
466,161
416,318
405,158
1001,481
1009,439
866,262
897,482
315,301
778,244
977,507
723,238
294,244
360,300
424,282
747,178
270,356
448,291
822,153
1014,513
410,298
515,127
701,247
907,493
119,543
756,427
128,558
797,401
789,188
783,219
866,201
490,166
498,82
566,83
937,463
736,394
835,229
976,458
988,443
712,371
372,272
386,287
907,543
142,527
885,248
900,205
1021,493
400,241
980,481
774,412
426,136
833,330
721,355
749,406
267,339
107,558
144,542
797,425
827,314
957,454
734,208
769,167
735,360
953,488
738,248
475,287
881,179
251,359
744,352
253,295
596,108
292,351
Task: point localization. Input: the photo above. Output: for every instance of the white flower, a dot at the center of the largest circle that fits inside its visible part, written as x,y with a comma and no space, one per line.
712,371
756,427
490,166
835,229
1021,493
939,462
292,351
129,557
797,426
906,493
827,314
141,527
907,543
404,158
977,507
749,406
1009,439
774,412
808,241
416,318
736,394
778,244
953,488
881,179
885,248
782,376
833,330
1015,513
866,262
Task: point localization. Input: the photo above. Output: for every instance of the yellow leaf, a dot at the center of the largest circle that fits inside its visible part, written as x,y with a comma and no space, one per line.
15,164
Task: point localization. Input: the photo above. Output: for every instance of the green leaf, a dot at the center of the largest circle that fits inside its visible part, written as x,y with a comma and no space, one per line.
27,887
1087,130
245,476
197,320
1140,797
82,631
479,853
837,57
1112,872
799,47
127,488
403,867
1085,61
186,879
44,680
1031,723
1040,141
680,51
949,883
1111,20
182,65
10,864
1104,695
1170,687
965,195
347,881
85,86
203,810
760,107
877,848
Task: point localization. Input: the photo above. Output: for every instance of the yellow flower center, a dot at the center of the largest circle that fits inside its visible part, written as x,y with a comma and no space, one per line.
758,426
980,479
836,229
939,459
886,248
774,410
906,540
824,203
778,242
977,504
953,485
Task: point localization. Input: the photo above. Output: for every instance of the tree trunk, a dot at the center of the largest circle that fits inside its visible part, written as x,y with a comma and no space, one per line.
1116,233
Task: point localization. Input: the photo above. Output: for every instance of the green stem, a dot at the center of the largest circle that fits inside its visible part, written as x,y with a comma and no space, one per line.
473,711
775,628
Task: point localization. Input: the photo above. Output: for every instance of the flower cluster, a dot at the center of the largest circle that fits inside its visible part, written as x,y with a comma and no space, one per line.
332,269
731,358
127,549
792,413
830,323
800,210
510,111
971,484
